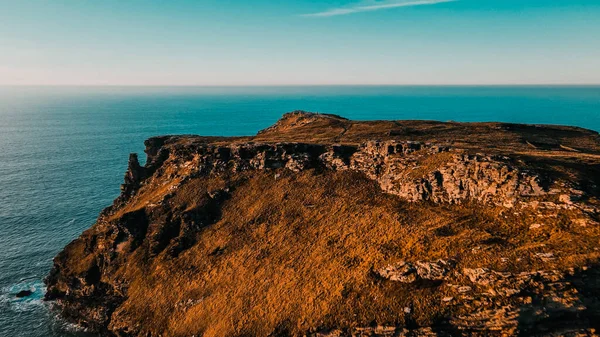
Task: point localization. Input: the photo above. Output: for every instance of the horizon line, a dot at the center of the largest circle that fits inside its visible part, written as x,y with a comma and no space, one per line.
307,85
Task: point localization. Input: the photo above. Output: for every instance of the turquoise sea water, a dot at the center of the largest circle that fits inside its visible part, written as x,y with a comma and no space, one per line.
63,152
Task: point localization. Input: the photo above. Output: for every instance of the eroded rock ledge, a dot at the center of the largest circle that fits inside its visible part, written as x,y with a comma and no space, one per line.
322,226
413,171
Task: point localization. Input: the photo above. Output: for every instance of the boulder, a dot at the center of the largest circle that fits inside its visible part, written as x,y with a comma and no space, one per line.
23,293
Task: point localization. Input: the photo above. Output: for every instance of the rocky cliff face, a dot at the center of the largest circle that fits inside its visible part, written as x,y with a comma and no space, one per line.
328,227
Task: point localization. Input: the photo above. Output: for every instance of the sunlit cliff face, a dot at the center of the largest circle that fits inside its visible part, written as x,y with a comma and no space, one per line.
324,226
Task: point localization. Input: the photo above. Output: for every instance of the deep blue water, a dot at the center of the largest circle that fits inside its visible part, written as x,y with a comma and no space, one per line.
63,151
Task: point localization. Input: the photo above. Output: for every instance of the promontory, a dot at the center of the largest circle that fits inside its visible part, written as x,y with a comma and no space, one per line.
323,226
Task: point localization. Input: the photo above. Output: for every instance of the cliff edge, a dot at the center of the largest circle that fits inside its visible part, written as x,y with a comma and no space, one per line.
323,226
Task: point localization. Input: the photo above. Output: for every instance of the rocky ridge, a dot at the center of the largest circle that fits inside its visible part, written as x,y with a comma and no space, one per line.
187,216
414,171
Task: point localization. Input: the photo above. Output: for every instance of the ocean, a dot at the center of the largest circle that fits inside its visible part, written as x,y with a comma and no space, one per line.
64,151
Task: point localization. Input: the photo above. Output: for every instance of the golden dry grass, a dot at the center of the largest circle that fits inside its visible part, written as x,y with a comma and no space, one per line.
297,253
288,253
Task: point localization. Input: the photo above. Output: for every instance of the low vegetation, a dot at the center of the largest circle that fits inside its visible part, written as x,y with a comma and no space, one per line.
205,246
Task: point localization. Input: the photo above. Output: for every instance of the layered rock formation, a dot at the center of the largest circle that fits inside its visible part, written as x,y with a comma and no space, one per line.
324,226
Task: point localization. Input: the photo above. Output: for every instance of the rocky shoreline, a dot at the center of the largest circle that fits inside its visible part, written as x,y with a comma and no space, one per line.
323,226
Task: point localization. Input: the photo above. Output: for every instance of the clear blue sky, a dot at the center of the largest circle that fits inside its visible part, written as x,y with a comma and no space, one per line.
257,42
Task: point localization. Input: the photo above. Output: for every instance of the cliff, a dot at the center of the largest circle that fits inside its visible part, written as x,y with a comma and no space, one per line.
322,226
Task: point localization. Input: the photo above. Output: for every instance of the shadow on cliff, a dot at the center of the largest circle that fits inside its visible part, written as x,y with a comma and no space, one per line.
585,175
566,307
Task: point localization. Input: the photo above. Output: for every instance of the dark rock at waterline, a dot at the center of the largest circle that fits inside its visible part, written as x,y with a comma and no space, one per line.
23,293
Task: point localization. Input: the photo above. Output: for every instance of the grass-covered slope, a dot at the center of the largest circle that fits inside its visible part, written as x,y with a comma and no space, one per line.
324,226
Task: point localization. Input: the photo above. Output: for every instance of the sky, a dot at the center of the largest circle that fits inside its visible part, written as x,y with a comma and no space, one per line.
299,42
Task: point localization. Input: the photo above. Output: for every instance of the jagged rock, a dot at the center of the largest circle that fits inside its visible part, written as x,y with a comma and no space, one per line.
412,170
133,177
23,293
481,275
545,256
401,272
503,319
382,331
433,270
406,272
464,289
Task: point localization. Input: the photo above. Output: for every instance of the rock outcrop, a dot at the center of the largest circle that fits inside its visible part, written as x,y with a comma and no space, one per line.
322,226
23,293
413,171
406,272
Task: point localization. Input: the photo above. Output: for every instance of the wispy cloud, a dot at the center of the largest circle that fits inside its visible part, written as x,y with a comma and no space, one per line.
374,6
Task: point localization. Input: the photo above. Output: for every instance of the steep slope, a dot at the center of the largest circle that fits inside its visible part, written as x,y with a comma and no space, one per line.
324,226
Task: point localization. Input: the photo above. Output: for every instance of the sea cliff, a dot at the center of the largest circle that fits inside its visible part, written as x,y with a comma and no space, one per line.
322,226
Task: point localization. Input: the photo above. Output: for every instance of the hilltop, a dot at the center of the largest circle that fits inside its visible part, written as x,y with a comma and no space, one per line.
323,226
